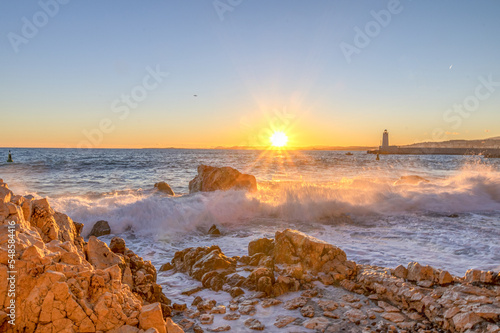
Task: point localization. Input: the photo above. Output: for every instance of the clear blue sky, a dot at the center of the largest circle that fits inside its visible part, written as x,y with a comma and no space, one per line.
264,56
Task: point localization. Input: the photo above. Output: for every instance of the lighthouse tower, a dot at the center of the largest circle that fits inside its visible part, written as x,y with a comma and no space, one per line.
385,140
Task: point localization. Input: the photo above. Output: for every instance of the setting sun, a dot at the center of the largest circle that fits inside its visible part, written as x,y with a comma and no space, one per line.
279,139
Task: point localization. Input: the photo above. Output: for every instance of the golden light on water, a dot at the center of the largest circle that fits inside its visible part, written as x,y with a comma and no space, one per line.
279,139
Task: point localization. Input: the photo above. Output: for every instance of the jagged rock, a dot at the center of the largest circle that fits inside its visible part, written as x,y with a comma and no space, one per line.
100,256
100,228
214,231
400,272
295,303
355,315
231,316
261,245
236,291
151,316
212,179
172,327
303,253
165,188
254,324
222,328
282,321
166,267
307,311
117,245
318,323
207,319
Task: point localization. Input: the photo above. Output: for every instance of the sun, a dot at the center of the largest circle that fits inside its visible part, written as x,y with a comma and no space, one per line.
279,139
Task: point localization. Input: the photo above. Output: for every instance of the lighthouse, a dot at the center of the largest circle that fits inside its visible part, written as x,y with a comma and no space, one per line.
385,140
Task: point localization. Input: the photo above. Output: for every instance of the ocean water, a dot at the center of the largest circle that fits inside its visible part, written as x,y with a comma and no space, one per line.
450,221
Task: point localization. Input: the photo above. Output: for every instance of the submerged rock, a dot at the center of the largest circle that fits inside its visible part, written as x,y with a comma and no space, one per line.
100,228
165,188
212,179
214,231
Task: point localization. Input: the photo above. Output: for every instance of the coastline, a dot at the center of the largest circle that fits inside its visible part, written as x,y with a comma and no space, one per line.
63,283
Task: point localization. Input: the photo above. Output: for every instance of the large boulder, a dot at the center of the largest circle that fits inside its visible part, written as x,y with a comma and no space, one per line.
165,188
303,253
212,179
100,228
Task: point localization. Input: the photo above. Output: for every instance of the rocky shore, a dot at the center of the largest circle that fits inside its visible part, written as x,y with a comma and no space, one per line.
293,283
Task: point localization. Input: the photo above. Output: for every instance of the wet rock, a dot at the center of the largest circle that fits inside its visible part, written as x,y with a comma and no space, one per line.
220,309
186,324
270,302
417,272
247,309
206,305
231,316
222,328
295,303
179,307
236,291
197,329
282,321
400,272
100,228
307,311
214,231
197,300
166,267
206,319
254,324
355,315
165,188
318,323
212,179
328,305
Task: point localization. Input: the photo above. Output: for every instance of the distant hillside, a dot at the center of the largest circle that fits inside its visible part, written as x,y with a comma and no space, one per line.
484,143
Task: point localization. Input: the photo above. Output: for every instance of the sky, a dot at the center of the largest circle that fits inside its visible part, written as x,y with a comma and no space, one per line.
132,74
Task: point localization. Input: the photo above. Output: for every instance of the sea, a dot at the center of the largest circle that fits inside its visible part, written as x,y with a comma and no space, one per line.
442,211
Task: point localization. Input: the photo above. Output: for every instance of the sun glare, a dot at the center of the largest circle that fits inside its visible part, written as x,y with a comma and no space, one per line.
279,139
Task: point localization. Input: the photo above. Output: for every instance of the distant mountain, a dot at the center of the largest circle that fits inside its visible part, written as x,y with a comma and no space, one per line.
484,143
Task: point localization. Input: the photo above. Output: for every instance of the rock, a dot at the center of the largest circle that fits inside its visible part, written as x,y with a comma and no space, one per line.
206,319
100,256
236,291
117,245
165,188
220,309
417,272
231,316
307,253
100,228
186,324
248,309
465,321
282,321
179,307
400,272
212,179
152,317
295,303
206,305
307,311
355,315
328,305
168,266
214,231
318,323
197,329
395,317
270,302
222,328
261,245
172,327
254,324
